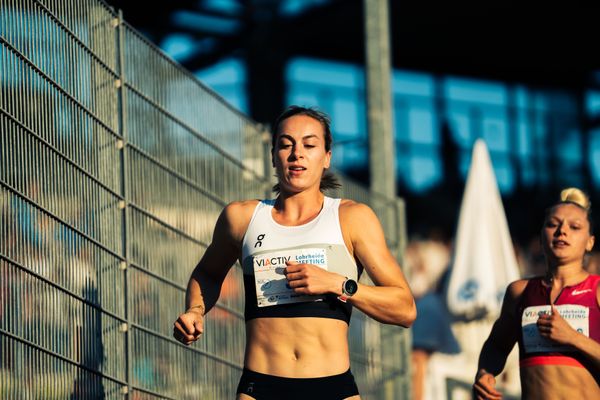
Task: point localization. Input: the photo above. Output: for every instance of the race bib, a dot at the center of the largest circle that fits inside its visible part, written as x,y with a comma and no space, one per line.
576,316
271,284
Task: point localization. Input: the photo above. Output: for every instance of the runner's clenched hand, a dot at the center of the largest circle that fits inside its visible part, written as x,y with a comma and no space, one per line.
311,279
189,326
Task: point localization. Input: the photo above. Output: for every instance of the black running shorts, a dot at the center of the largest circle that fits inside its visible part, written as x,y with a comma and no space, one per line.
268,387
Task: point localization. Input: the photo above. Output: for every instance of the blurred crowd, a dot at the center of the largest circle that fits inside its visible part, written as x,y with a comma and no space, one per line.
427,260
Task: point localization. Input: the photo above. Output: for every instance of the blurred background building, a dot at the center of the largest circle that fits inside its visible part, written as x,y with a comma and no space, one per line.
522,76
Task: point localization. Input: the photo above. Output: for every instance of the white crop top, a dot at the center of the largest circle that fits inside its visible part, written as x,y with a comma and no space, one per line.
266,247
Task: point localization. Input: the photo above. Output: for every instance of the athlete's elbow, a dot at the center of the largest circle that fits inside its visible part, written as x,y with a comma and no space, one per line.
404,316
409,315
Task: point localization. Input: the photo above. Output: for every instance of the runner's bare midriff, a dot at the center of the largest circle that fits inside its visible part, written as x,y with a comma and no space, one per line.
297,347
557,382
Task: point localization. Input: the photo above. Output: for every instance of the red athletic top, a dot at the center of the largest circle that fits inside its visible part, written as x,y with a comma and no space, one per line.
578,304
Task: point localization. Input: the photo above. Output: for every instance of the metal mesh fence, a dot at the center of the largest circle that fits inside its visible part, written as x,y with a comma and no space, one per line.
115,163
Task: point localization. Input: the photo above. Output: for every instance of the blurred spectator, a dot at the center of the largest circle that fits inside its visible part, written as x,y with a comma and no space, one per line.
427,262
87,330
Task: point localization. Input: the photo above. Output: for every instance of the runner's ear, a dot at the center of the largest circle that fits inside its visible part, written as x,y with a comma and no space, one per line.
590,243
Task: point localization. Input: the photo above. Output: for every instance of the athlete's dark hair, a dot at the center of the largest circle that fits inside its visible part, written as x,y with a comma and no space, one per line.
328,180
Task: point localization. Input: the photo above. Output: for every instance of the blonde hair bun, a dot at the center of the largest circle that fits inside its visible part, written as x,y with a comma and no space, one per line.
575,195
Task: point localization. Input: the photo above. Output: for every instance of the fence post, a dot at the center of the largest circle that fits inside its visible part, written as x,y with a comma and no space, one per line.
397,384
121,111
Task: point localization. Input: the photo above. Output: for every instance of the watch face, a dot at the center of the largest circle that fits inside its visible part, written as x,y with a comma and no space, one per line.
350,286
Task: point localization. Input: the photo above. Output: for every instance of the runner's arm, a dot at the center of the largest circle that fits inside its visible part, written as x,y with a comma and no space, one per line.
205,282
499,344
589,347
390,300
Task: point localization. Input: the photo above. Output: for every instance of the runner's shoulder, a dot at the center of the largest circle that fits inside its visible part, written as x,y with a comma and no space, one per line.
515,289
241,206
512,299
351,208
358,220
236,216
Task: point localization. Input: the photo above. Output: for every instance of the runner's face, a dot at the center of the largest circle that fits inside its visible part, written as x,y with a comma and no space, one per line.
566,233
299,156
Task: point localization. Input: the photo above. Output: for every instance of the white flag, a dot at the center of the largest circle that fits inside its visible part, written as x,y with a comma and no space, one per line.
484,259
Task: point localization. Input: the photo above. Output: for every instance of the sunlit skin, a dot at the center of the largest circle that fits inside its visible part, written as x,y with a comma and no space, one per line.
300,347
299,156
565,238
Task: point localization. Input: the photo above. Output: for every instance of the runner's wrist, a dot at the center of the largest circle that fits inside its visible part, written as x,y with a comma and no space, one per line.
198,309
481,373
336,289
578,339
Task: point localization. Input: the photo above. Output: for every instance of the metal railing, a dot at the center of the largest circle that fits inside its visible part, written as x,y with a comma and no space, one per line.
115,163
